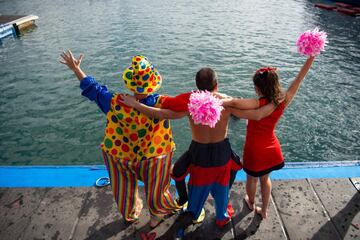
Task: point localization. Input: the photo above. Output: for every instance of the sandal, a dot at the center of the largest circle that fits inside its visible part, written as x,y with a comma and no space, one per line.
201,217
180,206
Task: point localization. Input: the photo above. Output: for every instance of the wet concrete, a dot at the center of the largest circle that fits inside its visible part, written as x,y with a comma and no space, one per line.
301,209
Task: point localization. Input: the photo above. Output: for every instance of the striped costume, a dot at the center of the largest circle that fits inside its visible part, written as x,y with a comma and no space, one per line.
135,147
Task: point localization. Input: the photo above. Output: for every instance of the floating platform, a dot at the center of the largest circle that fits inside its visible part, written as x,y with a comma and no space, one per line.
13,24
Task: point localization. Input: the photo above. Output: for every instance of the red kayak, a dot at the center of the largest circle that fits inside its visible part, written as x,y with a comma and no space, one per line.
357,9
343,5
325,6
348,11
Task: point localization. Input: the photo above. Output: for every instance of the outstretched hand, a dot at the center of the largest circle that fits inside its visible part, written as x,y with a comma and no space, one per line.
221,95
69,60
226,99
128,100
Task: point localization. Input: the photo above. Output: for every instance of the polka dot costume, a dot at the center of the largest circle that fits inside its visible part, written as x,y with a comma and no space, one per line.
142,77
131,135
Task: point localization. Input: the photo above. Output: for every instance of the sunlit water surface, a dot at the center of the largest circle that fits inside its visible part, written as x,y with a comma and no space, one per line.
45,120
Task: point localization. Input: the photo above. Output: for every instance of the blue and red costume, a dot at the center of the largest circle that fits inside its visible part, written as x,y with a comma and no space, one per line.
212,168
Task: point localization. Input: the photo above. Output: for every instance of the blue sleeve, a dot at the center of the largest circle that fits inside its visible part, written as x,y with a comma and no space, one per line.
150,100
96,92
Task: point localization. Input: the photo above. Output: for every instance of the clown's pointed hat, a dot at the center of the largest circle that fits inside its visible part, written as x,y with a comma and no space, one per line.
142,77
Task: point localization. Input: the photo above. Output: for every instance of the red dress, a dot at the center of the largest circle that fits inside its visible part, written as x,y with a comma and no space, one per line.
262,151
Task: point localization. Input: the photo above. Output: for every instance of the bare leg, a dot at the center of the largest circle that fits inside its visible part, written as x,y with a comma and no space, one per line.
251,183
138,207
265,184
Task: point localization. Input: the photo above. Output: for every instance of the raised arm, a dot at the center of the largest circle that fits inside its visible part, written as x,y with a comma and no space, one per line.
90,88
68,59
255,114
151,111
294,86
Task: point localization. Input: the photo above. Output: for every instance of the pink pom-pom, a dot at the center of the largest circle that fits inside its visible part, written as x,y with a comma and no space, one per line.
310,43
205,108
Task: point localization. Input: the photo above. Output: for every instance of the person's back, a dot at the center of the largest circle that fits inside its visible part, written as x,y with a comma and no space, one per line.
210,158
206,79
262,149
206,134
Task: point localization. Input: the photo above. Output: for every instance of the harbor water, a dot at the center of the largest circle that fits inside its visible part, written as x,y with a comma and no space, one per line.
44,120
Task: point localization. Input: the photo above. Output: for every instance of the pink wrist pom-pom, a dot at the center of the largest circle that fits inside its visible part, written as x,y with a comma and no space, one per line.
205,108
310,43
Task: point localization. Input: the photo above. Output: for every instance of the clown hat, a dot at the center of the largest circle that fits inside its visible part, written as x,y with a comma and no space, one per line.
142,77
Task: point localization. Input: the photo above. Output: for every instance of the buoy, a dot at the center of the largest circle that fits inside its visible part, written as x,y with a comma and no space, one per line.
325,6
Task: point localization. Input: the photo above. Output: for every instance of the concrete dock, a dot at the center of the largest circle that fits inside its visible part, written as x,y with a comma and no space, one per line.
299,209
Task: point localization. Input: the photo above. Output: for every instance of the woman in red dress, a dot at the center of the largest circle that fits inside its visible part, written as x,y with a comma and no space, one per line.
262,151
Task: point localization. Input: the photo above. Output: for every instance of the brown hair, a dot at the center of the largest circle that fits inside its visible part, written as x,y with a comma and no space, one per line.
206,79
267,82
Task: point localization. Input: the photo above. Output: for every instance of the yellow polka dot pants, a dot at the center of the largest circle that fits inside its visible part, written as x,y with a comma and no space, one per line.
154,172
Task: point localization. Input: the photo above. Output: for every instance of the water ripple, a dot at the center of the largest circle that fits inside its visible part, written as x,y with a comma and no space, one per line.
44,120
